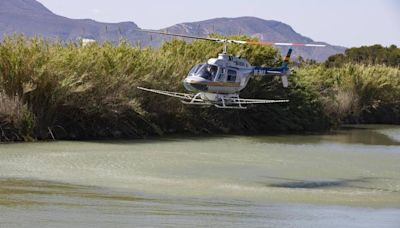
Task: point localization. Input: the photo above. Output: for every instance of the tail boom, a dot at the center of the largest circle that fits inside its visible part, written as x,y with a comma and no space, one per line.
282,71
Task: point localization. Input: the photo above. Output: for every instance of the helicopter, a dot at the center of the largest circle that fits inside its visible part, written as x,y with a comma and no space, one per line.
219,81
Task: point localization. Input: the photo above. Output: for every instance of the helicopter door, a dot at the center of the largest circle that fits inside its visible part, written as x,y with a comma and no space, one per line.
221,75
232,74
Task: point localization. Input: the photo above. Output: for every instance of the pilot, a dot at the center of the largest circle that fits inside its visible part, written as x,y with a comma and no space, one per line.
213,70
207,74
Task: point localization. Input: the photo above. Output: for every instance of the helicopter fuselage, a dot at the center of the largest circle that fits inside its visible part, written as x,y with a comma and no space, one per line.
225,75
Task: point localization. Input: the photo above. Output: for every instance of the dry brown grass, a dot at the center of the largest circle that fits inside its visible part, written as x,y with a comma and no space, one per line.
11,108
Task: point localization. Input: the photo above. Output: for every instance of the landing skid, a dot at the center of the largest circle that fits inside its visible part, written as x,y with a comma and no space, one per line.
233,101
229,106
223,101
229,102
197,100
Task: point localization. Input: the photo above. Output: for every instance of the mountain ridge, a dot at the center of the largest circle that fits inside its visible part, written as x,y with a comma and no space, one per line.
265,30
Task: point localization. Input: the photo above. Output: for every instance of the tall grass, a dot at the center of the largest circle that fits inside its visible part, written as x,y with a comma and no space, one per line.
16,121
356,93
90,92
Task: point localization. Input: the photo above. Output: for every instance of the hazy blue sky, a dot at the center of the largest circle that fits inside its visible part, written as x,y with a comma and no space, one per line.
341,22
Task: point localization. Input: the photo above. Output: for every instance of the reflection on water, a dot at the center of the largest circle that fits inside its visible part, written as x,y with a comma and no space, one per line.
343,183
346,178
369,135
360,134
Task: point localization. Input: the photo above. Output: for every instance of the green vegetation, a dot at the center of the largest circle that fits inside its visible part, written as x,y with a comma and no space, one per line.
356,93
71,92
376,54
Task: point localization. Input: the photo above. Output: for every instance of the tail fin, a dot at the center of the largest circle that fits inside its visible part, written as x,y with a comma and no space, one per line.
287,58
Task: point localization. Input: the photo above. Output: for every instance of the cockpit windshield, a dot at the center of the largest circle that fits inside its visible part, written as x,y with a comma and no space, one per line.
195,69
205,71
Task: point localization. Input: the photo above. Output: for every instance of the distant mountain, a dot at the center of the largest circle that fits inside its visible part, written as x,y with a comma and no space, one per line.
33,19
266,30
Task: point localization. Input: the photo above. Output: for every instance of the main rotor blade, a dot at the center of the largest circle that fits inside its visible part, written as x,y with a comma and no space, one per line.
231,41
180,35
285,44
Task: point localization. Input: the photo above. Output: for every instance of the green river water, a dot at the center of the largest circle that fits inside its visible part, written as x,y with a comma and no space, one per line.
348,178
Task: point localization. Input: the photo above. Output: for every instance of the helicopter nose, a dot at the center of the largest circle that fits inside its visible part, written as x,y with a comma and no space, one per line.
195,84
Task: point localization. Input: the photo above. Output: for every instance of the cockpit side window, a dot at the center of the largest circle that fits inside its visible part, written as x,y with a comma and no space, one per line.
231,75
213,70
221,75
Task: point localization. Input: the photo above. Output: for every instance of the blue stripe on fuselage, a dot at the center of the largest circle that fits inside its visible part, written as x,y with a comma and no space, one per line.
266,70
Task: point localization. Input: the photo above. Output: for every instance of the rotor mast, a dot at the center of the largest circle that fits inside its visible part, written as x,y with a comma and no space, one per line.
225,47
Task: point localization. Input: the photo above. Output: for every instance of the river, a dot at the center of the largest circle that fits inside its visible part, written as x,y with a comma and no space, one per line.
347,178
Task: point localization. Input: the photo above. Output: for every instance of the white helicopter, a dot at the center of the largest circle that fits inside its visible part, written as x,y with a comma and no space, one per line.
219,81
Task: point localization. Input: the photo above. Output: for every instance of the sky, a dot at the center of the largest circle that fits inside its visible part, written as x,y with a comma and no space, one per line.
349,23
